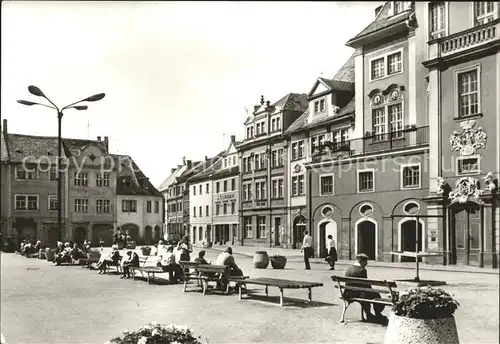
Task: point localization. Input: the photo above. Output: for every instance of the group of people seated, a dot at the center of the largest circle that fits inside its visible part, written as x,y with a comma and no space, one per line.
27,249
70,252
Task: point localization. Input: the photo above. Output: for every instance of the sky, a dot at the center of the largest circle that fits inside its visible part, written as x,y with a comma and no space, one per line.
178,76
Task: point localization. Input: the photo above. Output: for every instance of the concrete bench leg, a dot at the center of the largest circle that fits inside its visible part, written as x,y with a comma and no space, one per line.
185,284
281,297
310,294
342,317
267,290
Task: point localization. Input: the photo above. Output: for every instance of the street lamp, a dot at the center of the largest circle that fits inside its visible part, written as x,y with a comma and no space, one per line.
37,92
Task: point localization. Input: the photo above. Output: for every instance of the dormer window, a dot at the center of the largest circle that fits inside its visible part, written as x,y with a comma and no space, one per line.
400,6
319,106
250,132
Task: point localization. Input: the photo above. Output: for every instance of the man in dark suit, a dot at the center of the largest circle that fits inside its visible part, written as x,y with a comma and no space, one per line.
133,260
358,270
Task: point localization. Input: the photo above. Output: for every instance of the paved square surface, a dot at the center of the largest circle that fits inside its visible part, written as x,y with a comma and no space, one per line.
42,303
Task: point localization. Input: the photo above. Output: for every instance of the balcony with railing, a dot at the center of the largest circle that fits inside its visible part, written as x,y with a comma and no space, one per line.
466,42
371,144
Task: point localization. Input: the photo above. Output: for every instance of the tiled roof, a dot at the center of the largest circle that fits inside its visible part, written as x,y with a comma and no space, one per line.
220,173
382,21
171,178
130,180
301,122
199,167
205,174
338,85
346,72
75,145
292,102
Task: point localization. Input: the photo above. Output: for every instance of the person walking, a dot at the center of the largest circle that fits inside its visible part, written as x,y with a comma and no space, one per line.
331,257
307,249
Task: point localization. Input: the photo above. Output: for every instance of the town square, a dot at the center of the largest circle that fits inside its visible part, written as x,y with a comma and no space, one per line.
250,172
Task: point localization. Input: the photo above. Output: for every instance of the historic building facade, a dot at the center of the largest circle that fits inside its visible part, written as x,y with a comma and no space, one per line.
367,191
172,200
263,153
462,57
139,205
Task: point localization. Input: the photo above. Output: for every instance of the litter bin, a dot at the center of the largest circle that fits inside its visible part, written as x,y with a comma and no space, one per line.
49,254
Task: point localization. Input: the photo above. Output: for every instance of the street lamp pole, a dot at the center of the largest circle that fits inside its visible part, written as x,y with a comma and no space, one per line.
37,92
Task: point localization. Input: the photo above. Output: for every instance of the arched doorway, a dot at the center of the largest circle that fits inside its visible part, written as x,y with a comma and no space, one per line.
366,239
299,226
148,235
131,230
80,235
408,238
194,235
327,227
466,234
157,233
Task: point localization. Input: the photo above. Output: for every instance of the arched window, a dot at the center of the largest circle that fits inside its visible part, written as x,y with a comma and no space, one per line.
387,113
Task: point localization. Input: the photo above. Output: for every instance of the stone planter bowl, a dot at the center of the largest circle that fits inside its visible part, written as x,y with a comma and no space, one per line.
146,251
403,330
278,263
49,254
260,260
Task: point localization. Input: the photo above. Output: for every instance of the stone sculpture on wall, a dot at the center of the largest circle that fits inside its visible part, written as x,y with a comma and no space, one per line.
466,189
469,140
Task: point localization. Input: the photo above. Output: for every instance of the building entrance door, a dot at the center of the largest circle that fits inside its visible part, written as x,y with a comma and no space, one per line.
466,231
366,239
409,239
277,229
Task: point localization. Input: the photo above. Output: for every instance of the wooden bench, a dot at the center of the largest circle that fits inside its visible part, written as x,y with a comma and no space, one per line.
92,258
280,284
190,270
205,273
385,288
150,271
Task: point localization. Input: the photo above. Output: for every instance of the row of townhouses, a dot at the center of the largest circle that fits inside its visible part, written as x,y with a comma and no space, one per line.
102,193
398,151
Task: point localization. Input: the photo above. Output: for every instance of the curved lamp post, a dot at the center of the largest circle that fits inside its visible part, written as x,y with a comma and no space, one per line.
37,92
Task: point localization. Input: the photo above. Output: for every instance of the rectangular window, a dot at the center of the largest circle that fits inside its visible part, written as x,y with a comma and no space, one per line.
273,124
469,165
217,209
280,157
411,176
365,181
24,173
377,68
201,189
207,210
301,185
149,207
157,207
217,187
200,211
207,188
26,202
295,186
53,203
194,190
81,179
275,188
244,162
278,124
437,19
280,187
301,151
274,159
326,185
81,205
396,120
102,205
224,208
233,184
394,64
233,207
194,211
102,179
225,185
468,93
247,220
484,12
379,123
257,162
295,151
261,220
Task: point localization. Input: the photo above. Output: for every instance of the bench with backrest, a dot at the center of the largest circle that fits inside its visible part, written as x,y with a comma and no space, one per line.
150,271
383,287
281,284
190,270
205,273
92,258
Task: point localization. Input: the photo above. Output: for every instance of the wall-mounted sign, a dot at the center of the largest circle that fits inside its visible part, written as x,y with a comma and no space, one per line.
225,197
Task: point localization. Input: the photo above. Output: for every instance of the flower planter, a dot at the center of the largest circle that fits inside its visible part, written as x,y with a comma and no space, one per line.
260,260
146,251
278,262
49,254
403,330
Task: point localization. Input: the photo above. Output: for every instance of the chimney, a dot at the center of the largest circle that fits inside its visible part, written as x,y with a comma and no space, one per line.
189,164
378,9
5,126
106,143
233,138
98,138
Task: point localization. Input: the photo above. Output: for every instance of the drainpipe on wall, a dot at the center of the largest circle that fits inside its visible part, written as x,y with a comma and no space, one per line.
309,190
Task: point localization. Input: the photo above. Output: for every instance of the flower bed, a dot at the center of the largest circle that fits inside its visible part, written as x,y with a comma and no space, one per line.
154,333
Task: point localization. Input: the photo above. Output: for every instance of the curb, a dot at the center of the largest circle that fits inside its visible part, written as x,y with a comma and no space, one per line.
422,267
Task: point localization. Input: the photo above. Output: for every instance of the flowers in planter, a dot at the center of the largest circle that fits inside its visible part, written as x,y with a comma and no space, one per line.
277,256
425,303
154,333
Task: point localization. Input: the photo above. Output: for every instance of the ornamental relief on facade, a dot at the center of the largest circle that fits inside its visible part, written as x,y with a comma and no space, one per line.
469,139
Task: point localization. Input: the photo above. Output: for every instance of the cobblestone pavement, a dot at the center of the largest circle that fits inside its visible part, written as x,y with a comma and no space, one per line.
42,303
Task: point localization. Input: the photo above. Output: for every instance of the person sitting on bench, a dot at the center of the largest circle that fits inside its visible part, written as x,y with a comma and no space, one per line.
168,264
358,270
132,260
64,255
226,258
112,259
201,258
